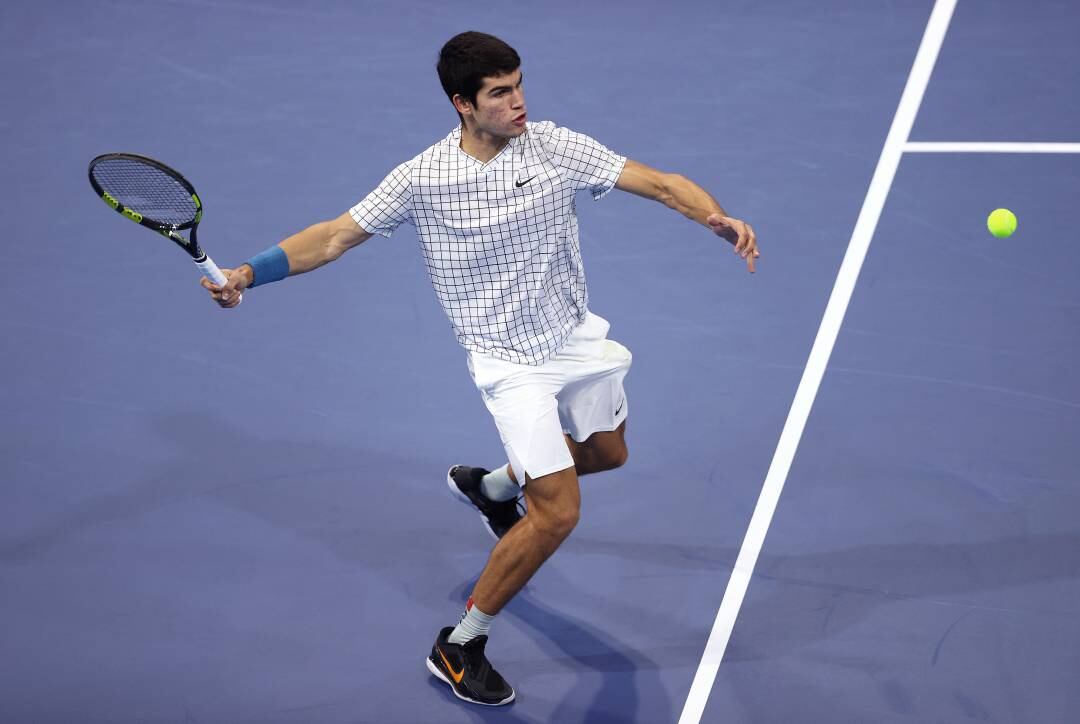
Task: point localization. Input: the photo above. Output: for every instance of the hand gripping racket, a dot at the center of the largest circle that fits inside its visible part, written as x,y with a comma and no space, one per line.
151,194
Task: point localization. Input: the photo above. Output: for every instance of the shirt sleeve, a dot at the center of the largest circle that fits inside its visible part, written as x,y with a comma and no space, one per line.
586,162
390,204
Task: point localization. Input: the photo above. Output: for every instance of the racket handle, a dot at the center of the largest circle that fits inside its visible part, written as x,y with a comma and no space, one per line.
211,271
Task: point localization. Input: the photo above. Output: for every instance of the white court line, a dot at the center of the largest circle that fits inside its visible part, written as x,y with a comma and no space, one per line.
819,357
989,147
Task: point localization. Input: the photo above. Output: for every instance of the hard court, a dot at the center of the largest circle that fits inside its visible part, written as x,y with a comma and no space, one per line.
853,482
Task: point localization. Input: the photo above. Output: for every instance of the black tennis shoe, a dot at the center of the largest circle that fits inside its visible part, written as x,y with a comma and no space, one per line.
498,516
465,668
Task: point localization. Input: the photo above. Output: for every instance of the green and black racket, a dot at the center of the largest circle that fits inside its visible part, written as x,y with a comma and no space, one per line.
151,194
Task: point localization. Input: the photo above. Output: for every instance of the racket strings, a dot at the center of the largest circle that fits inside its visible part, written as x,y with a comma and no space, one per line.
147,190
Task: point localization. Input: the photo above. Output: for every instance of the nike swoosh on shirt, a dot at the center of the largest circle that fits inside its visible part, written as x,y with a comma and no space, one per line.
455,675
519,184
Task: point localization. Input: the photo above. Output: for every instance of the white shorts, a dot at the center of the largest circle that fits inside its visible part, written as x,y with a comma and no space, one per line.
578,391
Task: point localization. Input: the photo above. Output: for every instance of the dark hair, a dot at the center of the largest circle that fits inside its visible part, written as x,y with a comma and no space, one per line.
468,58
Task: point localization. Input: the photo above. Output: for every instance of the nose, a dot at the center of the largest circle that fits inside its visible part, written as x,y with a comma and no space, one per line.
519,98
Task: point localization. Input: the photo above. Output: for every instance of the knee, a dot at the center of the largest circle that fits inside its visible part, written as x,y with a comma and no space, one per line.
565,520
620,457
615,458
557,523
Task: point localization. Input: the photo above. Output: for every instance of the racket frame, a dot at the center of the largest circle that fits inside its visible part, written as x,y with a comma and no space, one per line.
169,231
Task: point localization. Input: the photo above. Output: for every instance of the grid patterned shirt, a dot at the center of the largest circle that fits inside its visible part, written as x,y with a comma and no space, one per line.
500,239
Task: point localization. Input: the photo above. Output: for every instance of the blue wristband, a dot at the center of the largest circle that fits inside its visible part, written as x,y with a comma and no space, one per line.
268,266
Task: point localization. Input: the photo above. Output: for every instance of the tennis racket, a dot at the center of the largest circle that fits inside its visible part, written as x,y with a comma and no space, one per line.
155,196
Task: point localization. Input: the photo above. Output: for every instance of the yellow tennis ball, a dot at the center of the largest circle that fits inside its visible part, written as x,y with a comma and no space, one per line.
1001,223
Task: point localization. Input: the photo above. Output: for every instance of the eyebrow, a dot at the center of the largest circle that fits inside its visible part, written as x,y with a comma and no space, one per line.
506,87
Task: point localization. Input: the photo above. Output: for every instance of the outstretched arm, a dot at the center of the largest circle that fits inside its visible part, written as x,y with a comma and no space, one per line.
680,193
306,250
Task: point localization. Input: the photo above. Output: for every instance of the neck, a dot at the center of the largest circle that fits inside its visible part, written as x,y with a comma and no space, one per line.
480,144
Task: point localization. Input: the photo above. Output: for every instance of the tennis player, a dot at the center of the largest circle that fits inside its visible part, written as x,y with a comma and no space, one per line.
493,207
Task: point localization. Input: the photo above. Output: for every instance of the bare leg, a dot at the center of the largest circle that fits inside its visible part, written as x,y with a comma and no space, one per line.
601,451
554,505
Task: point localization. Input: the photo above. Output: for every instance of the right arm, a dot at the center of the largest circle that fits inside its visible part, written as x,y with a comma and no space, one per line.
319,244
309,249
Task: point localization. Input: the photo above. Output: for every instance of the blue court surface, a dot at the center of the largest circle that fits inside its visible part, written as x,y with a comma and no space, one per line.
241,516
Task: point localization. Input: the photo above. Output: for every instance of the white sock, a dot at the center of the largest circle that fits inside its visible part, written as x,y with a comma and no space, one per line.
473,623
498,486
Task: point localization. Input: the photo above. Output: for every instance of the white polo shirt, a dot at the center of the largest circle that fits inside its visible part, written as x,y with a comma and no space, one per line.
500,239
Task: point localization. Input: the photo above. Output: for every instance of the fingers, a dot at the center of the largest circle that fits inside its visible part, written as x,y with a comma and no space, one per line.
233,292
230,294
231,301
735,231
751,253
724,227
214,289
740,234
230,291
743,239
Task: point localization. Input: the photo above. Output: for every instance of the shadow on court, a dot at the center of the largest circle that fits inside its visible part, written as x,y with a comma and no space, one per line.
587,652
236,549
237,579
277,480
821,594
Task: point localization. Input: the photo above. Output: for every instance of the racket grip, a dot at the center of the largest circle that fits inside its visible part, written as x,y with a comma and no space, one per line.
211,271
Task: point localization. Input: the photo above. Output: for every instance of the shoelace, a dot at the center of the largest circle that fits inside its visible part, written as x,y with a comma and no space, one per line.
474,659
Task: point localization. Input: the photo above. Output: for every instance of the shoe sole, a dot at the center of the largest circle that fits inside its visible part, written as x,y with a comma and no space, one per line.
442,677
458,495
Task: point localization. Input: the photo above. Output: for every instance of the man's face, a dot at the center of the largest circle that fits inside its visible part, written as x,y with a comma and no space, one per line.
500,106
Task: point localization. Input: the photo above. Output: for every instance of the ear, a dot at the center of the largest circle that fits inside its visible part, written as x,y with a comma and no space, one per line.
462,104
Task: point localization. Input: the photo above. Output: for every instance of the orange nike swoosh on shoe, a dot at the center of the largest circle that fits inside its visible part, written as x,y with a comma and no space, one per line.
456,675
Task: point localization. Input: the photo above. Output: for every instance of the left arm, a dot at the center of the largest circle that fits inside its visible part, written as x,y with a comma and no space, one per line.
683,195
